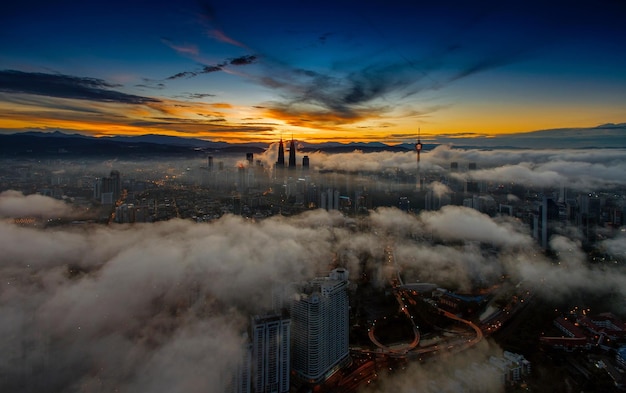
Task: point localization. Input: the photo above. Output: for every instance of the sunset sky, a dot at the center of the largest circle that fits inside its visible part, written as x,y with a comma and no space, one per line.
320,71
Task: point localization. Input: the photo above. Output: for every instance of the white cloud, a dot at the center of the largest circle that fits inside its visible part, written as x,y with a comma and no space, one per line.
14,204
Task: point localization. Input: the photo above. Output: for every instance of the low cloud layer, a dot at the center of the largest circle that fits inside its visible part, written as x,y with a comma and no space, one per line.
162,307
583,170
14,204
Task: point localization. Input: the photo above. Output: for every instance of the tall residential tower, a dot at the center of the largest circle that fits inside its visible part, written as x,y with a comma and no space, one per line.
270,354
319,316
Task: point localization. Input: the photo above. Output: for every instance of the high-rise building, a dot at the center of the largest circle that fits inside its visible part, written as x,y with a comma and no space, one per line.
319,315
292,154
116,182
250,159
281,155
270,353
544,221
240,379
329,199
109,189
305,163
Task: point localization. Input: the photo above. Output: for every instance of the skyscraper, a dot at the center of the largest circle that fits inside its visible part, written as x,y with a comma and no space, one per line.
270,353
319,315
544,221
305,163
292,154
240,379
110,189
281,155
116,184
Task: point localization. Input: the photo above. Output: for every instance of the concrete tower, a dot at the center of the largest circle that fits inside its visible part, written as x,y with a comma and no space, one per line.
418,149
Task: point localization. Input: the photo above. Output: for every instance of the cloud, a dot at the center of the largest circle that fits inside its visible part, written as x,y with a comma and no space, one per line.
210,19
582,170
578,169
439,189
570,276
162,306
147,307
187,49
207,69
617,245
336,99
243,60
14,204
466,224
65,86
466,372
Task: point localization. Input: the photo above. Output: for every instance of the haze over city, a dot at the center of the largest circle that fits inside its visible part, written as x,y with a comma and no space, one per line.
181,184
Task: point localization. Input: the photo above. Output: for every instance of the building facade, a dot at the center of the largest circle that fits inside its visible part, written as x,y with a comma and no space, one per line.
320,326
270,353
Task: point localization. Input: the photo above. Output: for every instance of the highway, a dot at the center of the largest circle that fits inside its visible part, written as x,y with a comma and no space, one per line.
366,372
394,279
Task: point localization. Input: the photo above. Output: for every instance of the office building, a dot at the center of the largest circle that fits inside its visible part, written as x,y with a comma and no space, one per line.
319,315
270,353
545,220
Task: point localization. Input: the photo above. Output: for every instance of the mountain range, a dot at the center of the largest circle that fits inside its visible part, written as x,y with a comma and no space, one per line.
55,143
36,143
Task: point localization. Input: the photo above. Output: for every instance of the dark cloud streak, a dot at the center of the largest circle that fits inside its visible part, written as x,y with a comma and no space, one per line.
66,86
207,69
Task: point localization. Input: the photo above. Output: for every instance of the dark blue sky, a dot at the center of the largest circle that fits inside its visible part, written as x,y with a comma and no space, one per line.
342,70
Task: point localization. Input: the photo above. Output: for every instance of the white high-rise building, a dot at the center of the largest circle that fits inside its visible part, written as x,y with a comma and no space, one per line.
270,353
320,327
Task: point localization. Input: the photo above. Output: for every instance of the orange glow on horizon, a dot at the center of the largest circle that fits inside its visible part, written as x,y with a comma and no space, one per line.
239,124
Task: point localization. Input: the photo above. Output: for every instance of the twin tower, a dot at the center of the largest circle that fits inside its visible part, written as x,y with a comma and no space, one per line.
280,163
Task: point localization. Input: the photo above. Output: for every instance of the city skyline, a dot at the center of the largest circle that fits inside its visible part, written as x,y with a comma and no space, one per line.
342,71
155,291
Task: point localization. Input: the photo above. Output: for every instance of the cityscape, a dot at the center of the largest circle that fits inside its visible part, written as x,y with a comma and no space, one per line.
272,272
208,196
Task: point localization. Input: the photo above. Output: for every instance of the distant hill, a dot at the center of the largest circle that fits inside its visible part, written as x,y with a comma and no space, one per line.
58,143
55,145
603,136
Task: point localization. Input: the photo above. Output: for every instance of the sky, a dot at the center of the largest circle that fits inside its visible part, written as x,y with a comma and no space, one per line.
317,71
